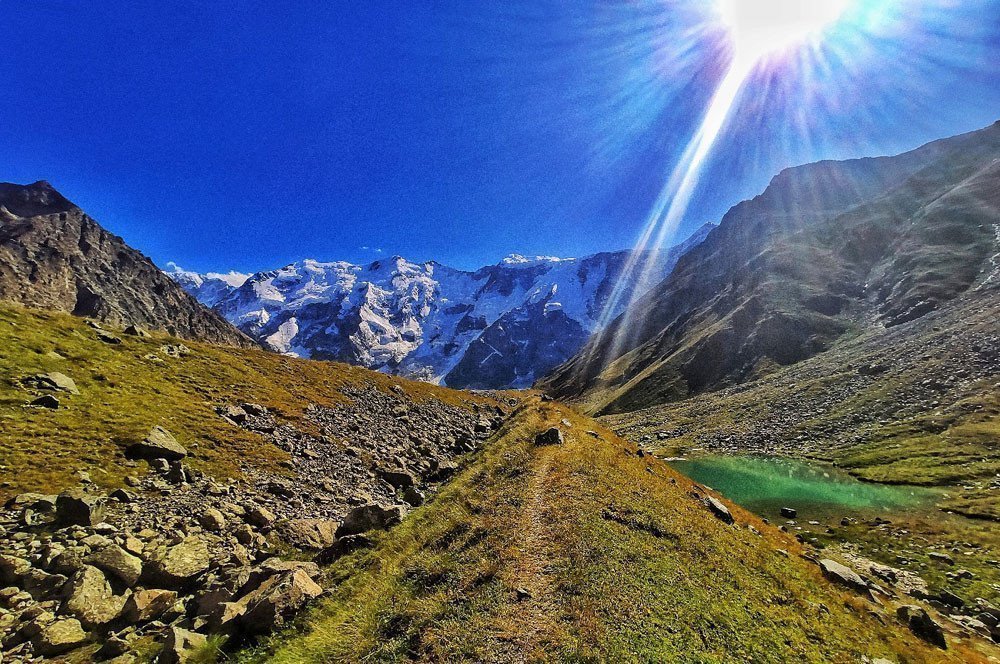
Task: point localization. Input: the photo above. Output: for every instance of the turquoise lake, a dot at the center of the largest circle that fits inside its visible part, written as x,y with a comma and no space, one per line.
766,484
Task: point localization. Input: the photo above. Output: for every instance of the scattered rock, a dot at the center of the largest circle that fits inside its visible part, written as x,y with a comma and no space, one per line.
845,576
309,534
212,520
399,479
60,637
90,599
181,646
76,507
551,436
146,605
108,338
159,444
277,599
45,401
788,512
177,566
261,517
120,564
719,510
941,557
922,625
51,382
371,517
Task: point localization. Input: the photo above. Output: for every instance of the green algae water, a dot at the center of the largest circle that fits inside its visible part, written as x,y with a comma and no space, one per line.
766,484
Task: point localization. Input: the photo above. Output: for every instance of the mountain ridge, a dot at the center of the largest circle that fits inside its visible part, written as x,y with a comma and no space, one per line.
826,250
54,256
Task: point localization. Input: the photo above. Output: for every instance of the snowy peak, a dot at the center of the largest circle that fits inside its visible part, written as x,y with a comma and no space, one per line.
517,260
427,320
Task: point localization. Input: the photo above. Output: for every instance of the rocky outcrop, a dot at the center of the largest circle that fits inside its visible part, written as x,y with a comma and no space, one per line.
54,256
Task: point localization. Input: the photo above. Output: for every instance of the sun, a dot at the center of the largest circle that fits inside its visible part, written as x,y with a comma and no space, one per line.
764,27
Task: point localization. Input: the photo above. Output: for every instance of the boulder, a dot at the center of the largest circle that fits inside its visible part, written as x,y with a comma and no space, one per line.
90,599
788,512
39,502
941,557
177,566
12,569
413,496
371,517
843,575
77,508
41,585
146,605
212,520
234,414
949,598
276,600
124,496
276,567
181,646
342,547
261,517
442,469
922,625
309,534
108,338
399,479
159,444
117,562
45,401
59,637
719,510
551,436
52,382
134,330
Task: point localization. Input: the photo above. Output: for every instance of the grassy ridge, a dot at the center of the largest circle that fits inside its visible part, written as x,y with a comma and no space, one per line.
123,393
583,552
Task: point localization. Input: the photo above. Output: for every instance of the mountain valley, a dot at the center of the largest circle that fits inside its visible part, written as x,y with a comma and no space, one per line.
180,487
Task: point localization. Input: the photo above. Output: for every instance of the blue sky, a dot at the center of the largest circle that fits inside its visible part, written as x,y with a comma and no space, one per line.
243,135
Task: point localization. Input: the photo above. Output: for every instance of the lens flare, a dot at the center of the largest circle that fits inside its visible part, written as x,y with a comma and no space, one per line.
758,30
762,27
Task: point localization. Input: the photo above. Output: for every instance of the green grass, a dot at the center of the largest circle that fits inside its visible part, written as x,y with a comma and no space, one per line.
620,564
123,394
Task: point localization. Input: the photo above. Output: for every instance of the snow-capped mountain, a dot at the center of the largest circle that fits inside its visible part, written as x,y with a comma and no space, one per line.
207,288
501,326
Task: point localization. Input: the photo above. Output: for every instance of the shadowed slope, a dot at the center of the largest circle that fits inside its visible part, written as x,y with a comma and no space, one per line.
827,250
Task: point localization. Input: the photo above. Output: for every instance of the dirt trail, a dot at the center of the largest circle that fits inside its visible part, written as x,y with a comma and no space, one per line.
534,616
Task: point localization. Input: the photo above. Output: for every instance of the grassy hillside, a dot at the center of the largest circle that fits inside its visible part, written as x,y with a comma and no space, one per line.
585,552
127,388
914,405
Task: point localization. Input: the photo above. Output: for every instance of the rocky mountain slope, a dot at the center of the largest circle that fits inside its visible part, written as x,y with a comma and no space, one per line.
178,499
160,492
500,326
54,256
828,251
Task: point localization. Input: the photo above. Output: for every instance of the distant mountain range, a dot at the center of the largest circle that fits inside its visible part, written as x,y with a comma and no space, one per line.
501,326
829,251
